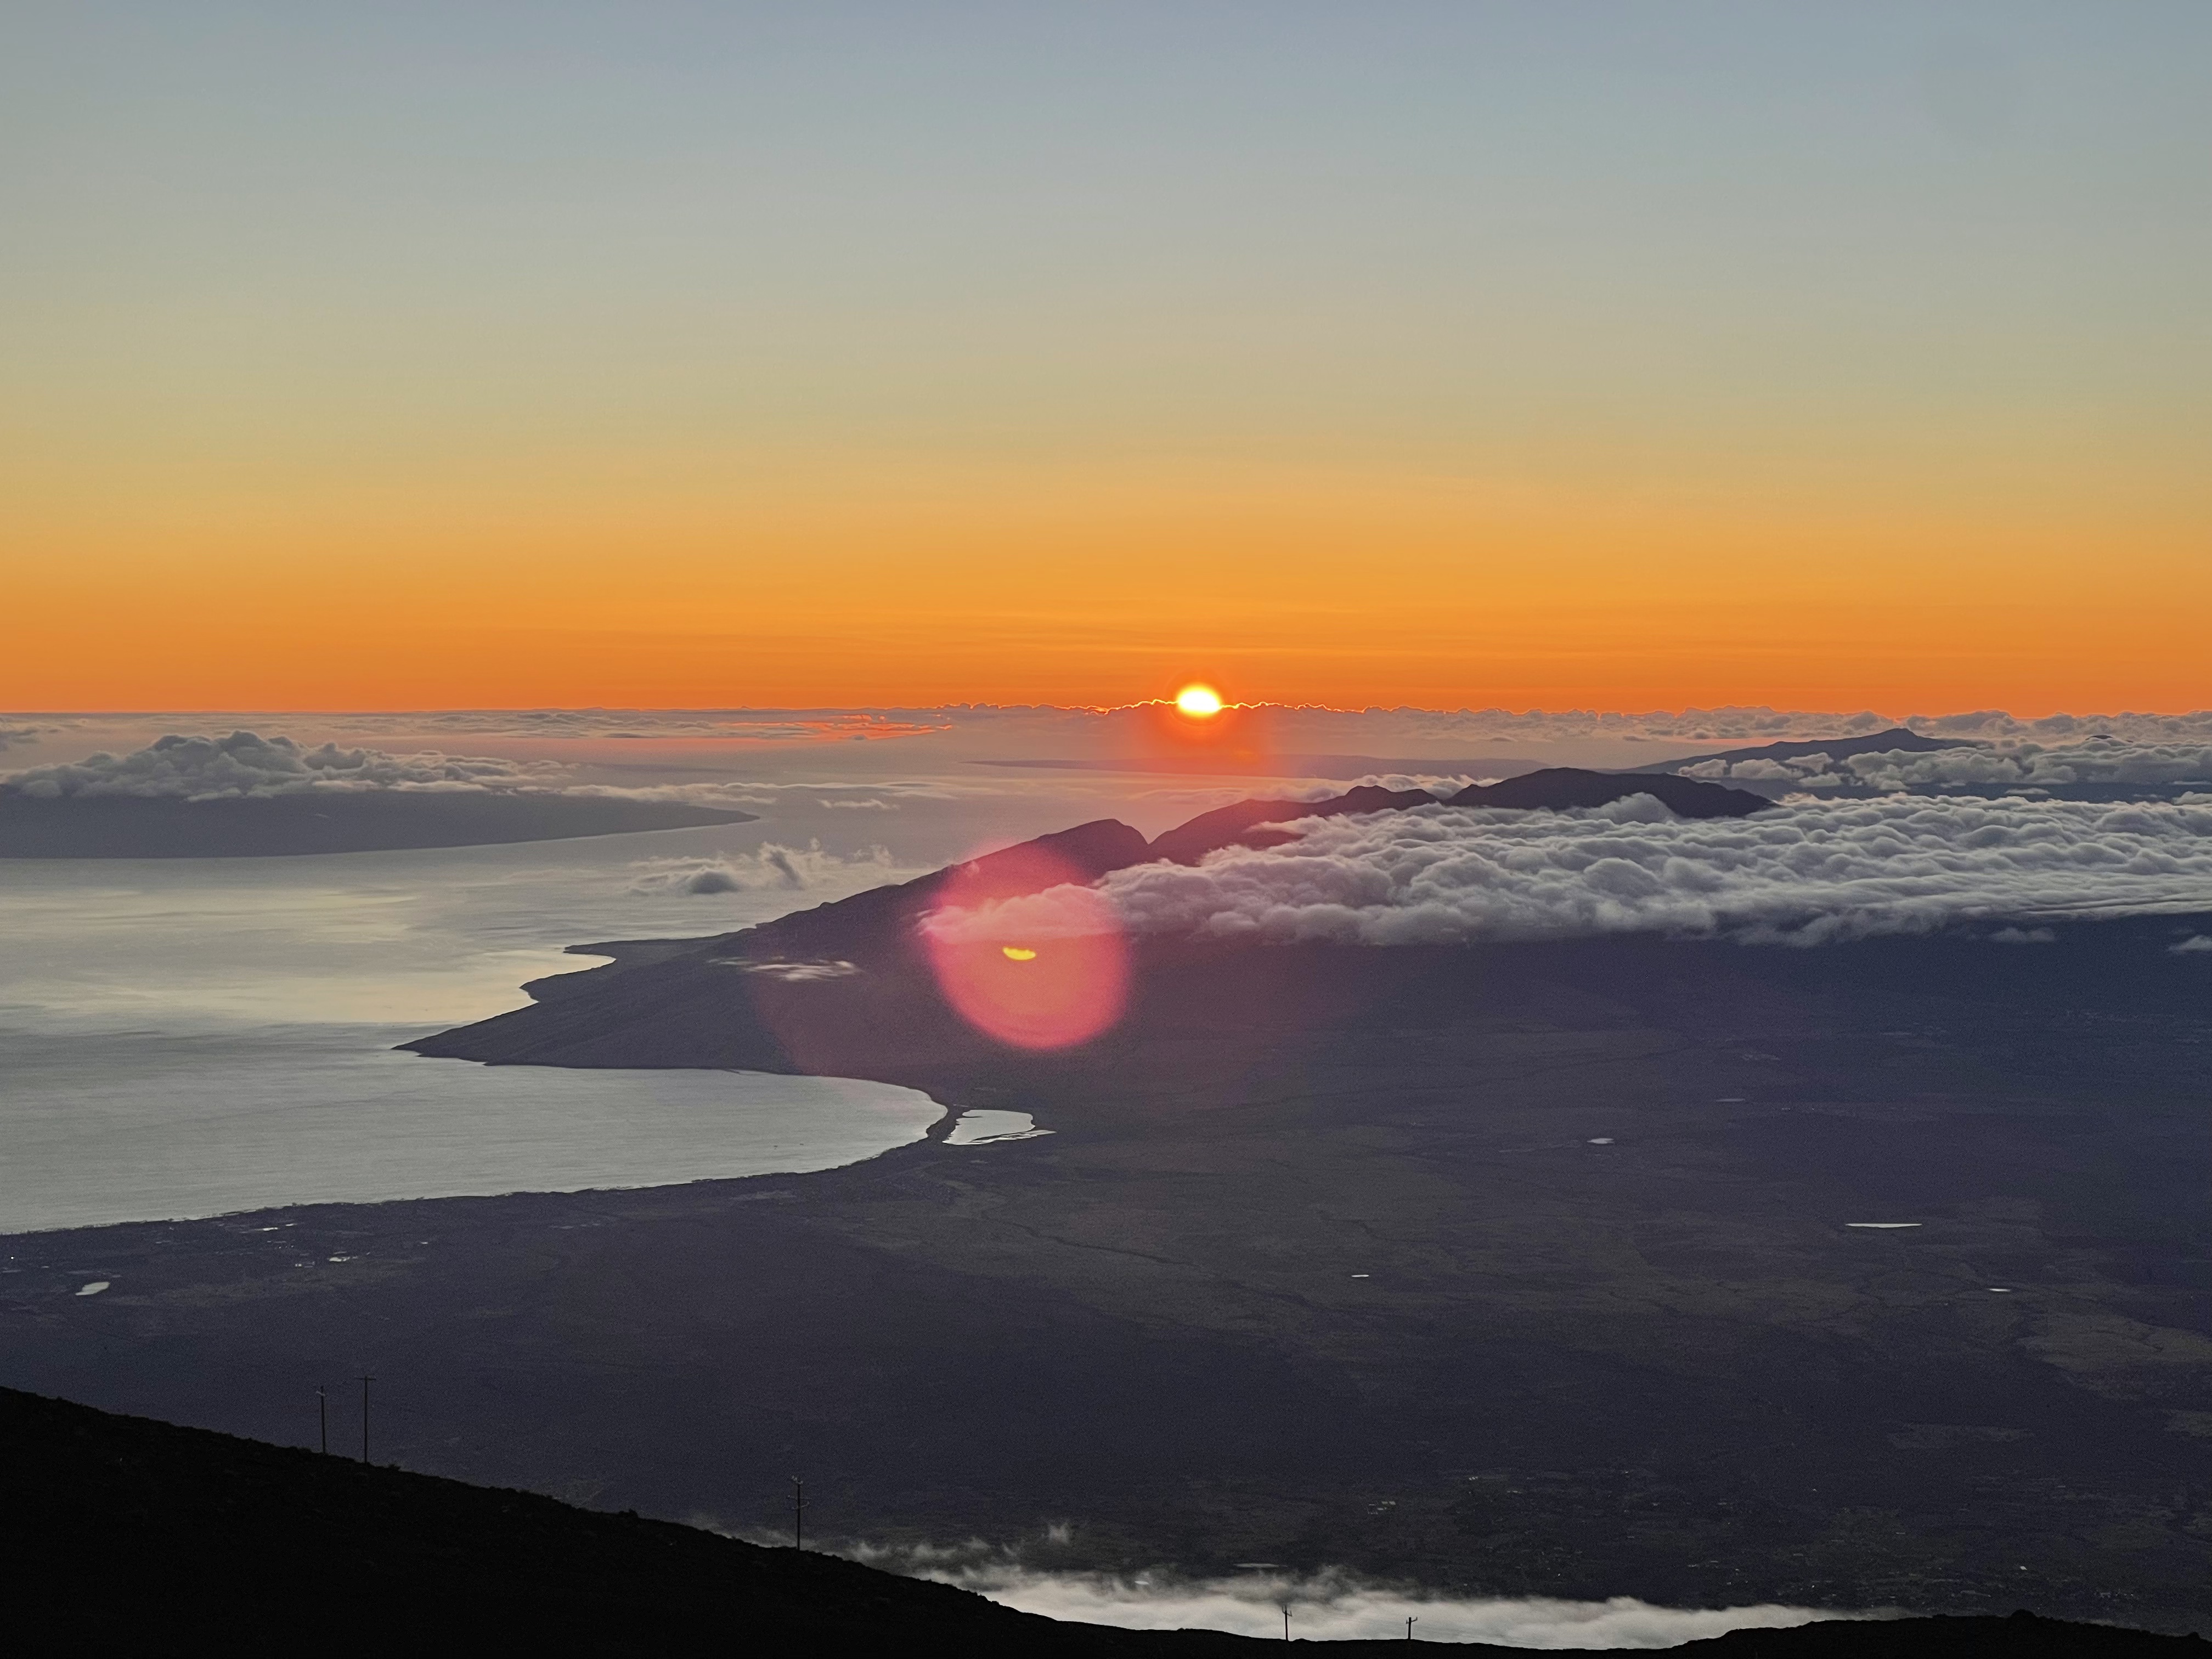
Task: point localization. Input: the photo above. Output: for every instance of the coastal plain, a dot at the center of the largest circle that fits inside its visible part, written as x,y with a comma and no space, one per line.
1541,1268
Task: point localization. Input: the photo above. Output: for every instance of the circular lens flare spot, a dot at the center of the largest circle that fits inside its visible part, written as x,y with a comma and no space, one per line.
1067,986
1198,702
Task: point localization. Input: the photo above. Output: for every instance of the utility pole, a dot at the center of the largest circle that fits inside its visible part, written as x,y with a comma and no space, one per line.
366,1379
1411,1620
1286,1624
323,1416
798,1513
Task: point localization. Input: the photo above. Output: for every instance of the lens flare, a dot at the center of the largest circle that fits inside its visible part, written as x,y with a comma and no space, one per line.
1068,979
1198,702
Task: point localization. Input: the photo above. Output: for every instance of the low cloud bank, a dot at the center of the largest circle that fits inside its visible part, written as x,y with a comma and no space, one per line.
771,866
885,797
1803,873
779,728
246,764
1329,729
2008,765
1334,1607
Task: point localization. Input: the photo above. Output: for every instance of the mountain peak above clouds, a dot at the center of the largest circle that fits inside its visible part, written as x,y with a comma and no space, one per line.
1897,740
1560,788
1244,823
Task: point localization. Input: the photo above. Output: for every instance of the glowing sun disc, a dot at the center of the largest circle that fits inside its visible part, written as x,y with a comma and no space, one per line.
1200,703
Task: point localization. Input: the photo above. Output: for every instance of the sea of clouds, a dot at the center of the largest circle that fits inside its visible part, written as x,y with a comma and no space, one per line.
1802,874
2012,764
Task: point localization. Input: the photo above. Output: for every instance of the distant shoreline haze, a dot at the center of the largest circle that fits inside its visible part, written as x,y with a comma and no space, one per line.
140,827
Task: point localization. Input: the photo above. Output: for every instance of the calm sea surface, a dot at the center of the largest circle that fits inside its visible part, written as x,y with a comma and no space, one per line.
185,1038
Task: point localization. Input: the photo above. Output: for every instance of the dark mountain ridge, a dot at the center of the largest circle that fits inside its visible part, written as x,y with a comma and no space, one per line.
124,1534
1242,822
1563,788
1897,740
1557,789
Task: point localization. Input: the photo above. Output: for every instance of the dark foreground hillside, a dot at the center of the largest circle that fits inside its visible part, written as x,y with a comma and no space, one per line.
120,1534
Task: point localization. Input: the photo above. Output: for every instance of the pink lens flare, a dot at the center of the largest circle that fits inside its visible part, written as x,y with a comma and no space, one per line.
1027,953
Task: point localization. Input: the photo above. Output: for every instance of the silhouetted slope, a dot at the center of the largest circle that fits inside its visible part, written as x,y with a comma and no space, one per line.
1562,787
722,999
1242,823
123,1534
869,923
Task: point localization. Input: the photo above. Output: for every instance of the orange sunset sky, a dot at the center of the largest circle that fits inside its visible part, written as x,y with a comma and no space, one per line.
1449,355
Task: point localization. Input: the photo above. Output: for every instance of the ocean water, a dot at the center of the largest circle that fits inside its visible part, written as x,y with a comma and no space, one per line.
152,1125
188,1038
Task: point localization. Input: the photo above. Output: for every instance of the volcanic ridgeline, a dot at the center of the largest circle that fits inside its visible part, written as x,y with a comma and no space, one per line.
1898,739
129,1535
841,988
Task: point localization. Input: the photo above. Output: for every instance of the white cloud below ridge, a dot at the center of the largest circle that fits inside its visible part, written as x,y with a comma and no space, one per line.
1802,873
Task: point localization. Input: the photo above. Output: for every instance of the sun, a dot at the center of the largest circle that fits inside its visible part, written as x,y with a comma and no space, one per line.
1198,702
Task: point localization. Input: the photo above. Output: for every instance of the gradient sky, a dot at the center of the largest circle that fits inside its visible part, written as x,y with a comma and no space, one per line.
1552,353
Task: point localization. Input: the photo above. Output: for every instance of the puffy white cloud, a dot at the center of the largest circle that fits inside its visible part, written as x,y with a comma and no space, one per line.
1802,874
790,869
1756,769
2192,946
2011,764
245,763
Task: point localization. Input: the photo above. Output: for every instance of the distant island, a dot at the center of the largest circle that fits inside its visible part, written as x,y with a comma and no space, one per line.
323,821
